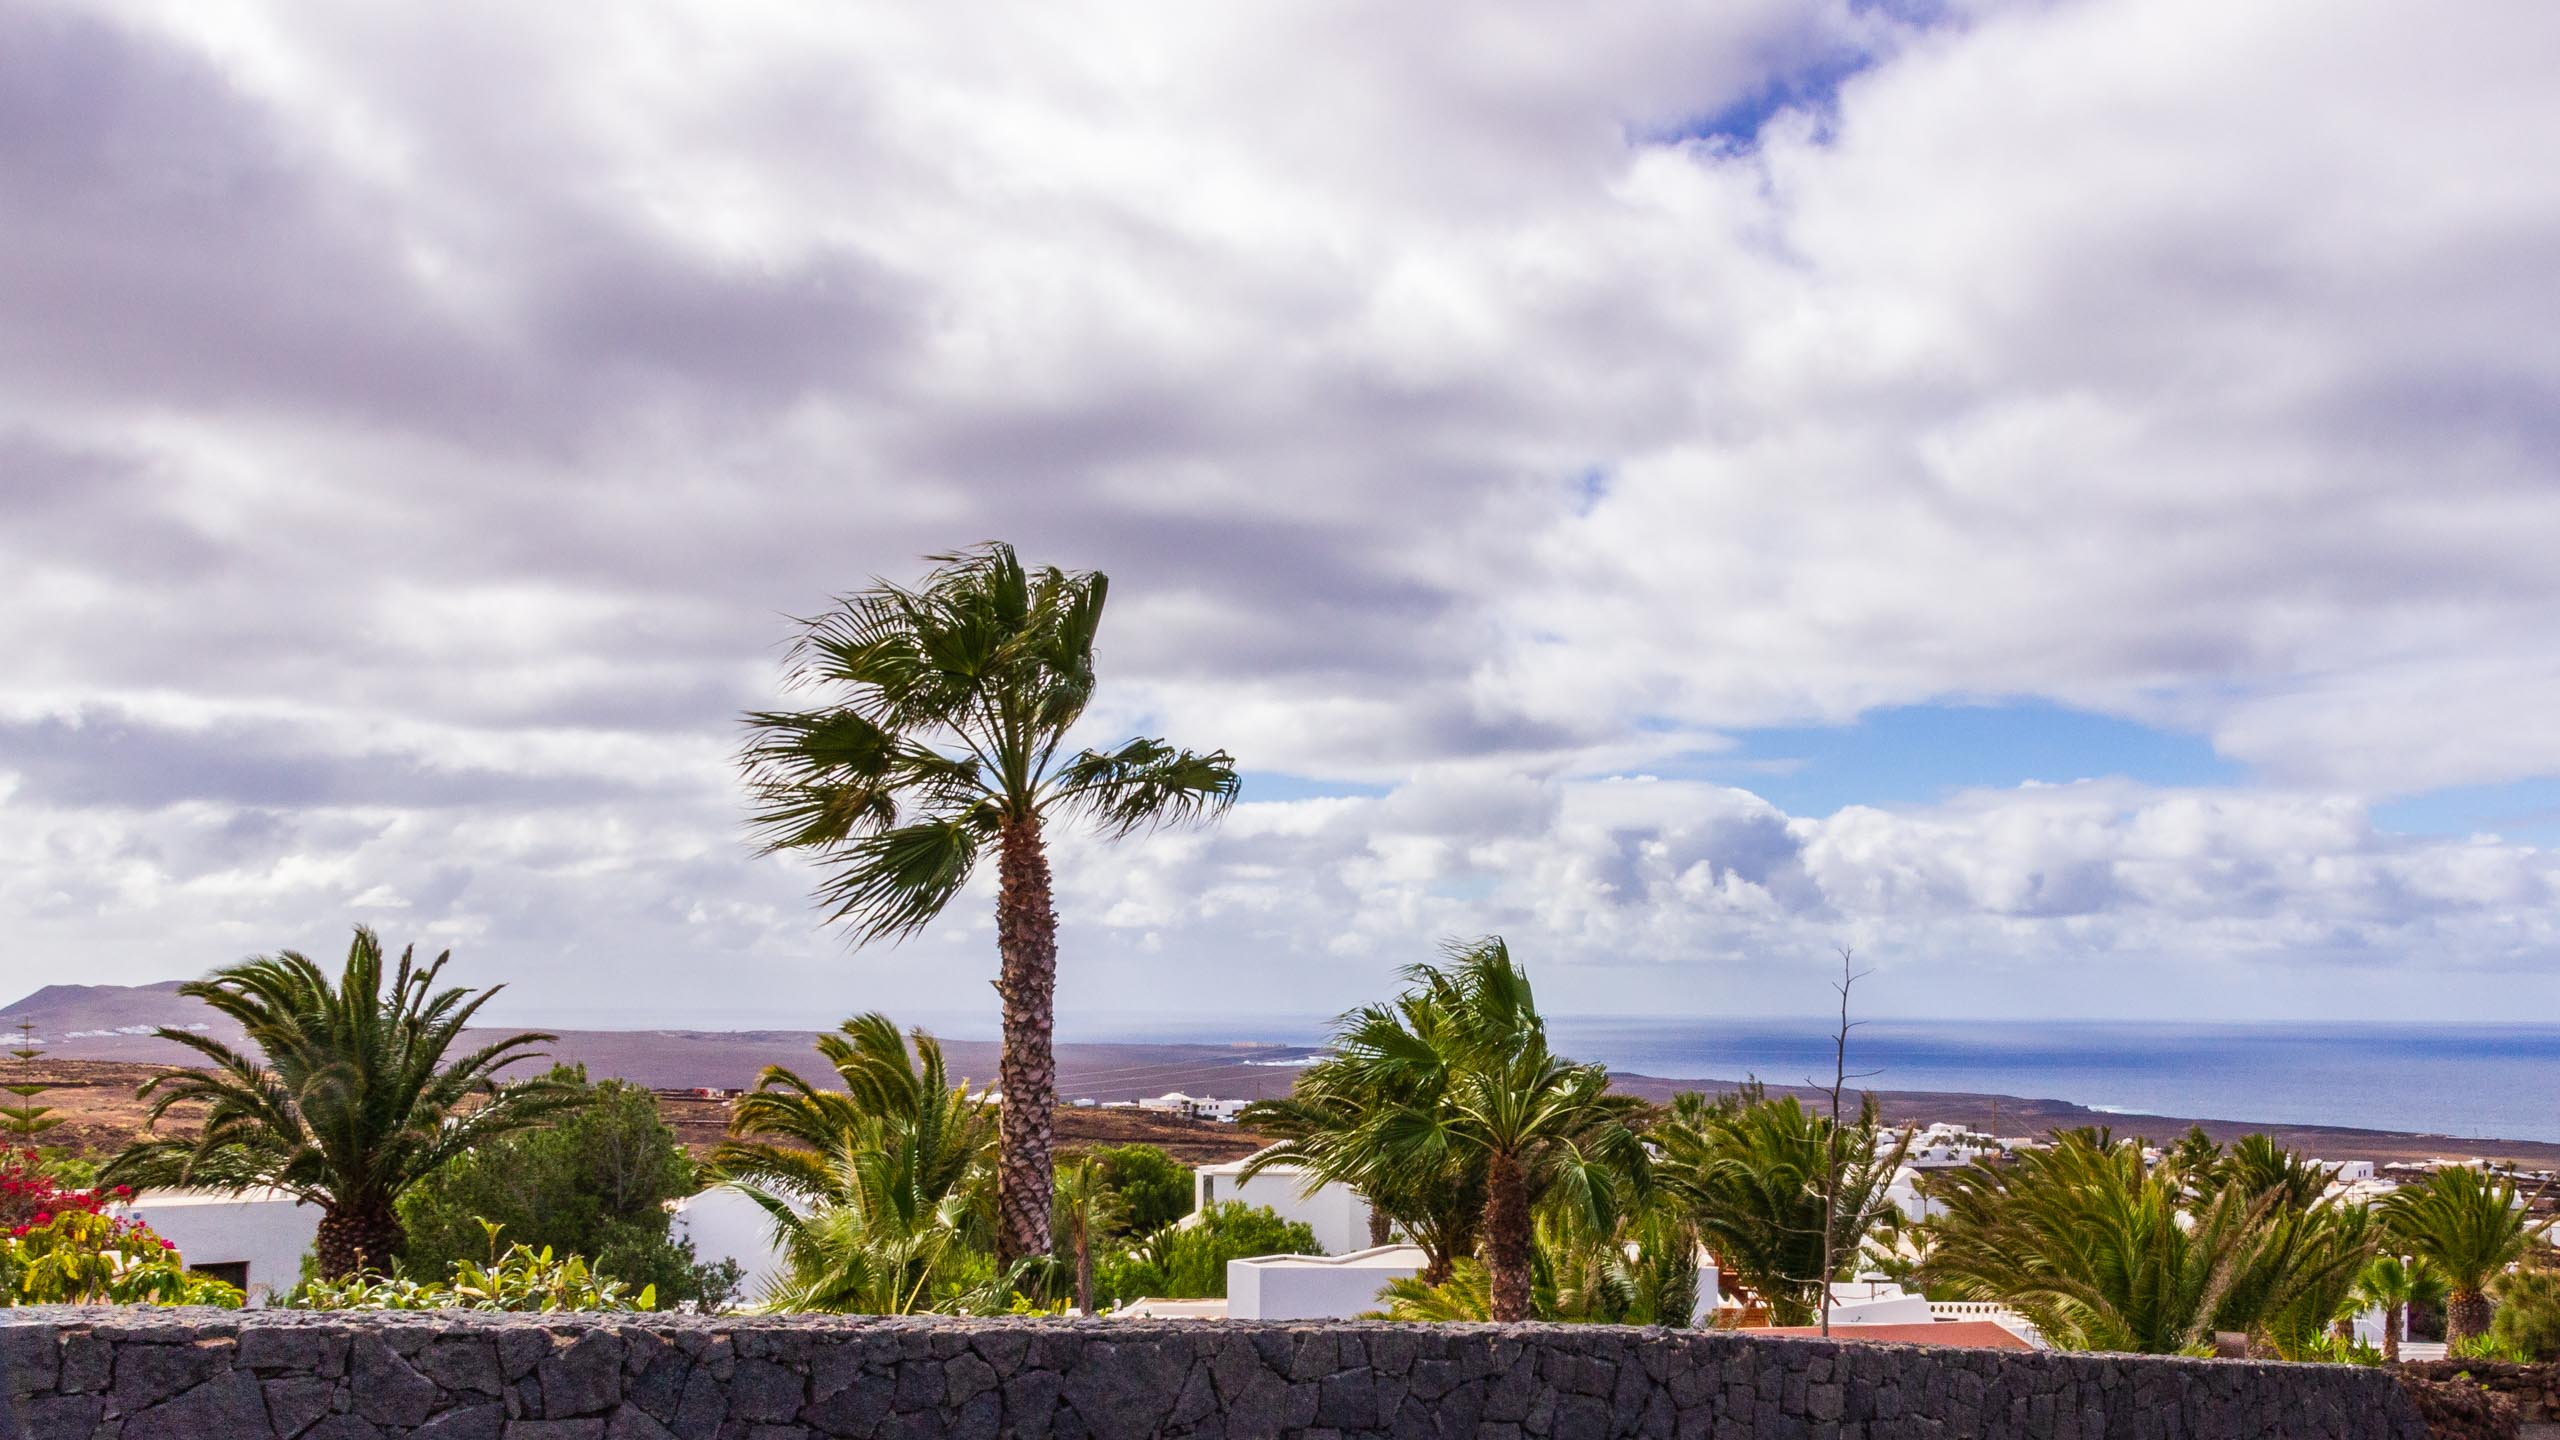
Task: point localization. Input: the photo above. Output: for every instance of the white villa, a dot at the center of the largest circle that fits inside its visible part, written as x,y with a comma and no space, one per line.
1336,1212
1195,1107
254,1240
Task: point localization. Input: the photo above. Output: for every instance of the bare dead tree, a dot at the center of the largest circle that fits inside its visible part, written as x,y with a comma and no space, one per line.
1840,1078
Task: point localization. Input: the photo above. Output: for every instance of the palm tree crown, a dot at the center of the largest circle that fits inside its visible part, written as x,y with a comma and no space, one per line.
2102,1254
1467,1079
943,734
354,1101
877,1191
1752,1172
2467,1226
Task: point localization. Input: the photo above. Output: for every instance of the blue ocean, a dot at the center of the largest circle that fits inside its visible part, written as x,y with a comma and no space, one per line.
2466,1081
2461,1081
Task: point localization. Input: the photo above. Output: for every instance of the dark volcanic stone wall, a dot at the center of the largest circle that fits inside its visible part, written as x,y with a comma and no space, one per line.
183,1375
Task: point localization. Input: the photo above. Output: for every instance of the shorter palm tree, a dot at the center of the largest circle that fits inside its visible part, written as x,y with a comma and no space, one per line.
2468,1226
2302,1274
1752,1171
1481,1086
352,1101
1089,1211
2393,1285
1324,1127
881,1194
2095,1252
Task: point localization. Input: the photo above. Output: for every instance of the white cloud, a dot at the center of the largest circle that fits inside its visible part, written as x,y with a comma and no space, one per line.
416,422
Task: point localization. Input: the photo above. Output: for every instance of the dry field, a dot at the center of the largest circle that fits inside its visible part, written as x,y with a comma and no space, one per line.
96,1101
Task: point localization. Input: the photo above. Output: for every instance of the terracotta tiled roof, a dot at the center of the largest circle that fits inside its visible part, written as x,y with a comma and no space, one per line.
1972,1334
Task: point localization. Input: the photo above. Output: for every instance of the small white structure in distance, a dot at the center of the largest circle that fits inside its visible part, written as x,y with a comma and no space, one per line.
255,1239
725,1225
1336,1212
1317,1287
1196,1107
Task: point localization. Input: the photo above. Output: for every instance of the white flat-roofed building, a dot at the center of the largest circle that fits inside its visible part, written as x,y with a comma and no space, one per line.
1337,1213
1941,1146
255,1239
1196,1107
1317,1287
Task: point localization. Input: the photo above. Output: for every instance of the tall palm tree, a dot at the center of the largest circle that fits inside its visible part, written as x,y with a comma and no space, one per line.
1089,1211
1481,1085
941,735
1751,1170
878,1192
352,1101
2468,1226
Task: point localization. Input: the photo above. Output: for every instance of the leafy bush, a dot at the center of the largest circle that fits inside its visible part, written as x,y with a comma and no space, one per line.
32,1184
81,1257
2488,1346
595,1182
1189,1262
1153,1186
2528,1318
521,1278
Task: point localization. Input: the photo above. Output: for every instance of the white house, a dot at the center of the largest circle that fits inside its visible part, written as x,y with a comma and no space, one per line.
1196,1107
1317,1287
1336,1212
255,1240
1941,1146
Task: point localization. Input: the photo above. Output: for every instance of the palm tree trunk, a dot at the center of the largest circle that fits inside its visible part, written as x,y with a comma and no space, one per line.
357,1238
2391,1318
1084,1270
1027,941
2466,1313
1381,1229
1508,1239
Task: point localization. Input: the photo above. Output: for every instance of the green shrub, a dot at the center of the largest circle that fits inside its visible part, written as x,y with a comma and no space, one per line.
1154,1186
2488,1346
1189,1262
520,1278
2528,1318
594,1182
80,1257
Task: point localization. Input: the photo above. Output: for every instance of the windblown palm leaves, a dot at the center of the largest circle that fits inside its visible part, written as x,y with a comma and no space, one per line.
2467,1226
1463,1082
879,1192
352,1098
2102,1255
1751,1170
1327,1127
942,735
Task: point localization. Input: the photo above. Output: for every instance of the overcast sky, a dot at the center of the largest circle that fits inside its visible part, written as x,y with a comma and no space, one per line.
2059,496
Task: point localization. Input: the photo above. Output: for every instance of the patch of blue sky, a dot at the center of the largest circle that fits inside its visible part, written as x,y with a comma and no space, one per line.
1811,83
2524,811
1920,754
1589,488
1261,785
